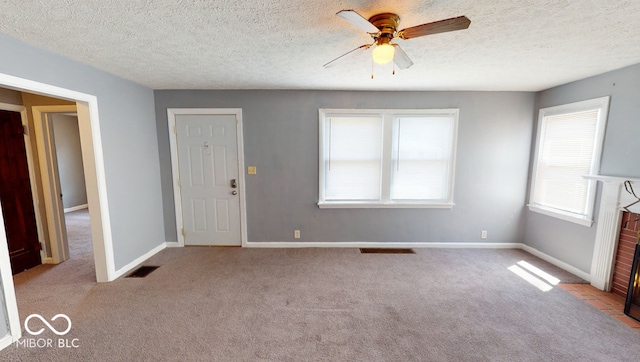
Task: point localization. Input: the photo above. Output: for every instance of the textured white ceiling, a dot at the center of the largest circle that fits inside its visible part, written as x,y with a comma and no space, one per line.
270,44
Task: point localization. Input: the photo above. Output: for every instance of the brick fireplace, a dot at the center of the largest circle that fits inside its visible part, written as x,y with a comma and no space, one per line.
624,254
608,228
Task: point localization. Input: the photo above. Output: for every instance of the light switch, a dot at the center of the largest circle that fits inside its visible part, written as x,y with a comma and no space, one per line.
251,170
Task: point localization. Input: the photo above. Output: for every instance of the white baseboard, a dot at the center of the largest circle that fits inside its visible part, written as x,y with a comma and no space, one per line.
76,208
6,341
127,268
559,263
367,244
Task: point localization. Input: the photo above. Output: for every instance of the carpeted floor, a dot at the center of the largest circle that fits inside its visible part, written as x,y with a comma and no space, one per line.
233,304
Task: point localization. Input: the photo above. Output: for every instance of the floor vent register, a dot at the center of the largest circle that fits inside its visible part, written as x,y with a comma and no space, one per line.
386,251
142,271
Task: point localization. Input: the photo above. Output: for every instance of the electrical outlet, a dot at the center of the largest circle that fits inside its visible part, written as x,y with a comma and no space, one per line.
296,234
483,234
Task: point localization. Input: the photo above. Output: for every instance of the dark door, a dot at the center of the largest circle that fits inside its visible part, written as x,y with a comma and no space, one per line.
15,195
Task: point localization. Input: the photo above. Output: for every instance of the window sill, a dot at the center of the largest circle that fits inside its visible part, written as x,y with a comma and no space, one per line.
561,215
394,205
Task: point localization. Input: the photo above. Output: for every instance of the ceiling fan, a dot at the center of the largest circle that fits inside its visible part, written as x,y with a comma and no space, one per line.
383,29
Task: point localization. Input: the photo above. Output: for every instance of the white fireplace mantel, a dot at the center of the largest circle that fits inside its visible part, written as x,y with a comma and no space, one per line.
614,198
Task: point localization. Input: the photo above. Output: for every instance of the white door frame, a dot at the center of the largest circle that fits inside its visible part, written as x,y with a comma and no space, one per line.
173,143
51,179
15,330
92,157
32,173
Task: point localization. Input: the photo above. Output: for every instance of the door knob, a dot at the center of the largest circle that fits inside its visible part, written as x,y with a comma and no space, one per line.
234,192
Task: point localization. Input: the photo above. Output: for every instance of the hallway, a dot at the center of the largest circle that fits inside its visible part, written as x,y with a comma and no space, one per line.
50,287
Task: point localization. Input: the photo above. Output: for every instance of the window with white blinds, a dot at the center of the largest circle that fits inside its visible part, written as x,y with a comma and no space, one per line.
353,164
568,148
387,158
421,162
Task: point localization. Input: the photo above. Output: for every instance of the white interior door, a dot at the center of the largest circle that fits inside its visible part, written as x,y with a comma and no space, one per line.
208,165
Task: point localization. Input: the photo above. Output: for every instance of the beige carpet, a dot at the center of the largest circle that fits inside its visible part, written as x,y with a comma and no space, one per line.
232,304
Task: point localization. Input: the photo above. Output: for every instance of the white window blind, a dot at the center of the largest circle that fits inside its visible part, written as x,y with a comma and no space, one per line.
421,158
354,158
568,148
387,158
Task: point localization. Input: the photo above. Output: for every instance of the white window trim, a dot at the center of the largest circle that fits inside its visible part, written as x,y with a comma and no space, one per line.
558,214
603,104
388,116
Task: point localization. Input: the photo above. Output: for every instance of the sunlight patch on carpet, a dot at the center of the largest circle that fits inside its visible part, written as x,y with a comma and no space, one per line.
530,278
539,273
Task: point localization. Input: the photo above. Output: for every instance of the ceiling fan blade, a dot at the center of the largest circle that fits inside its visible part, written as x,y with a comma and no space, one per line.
401,58
333,62
357,20
442,26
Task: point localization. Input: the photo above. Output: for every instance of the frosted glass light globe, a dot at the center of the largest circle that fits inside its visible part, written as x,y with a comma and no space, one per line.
383,53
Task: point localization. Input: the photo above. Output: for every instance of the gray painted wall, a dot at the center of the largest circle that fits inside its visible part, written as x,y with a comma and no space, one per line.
4,323
570,242
4,314
281,139
129,141
67,140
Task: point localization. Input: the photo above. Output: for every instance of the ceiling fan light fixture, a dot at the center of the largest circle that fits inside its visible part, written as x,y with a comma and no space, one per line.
383,53
383,28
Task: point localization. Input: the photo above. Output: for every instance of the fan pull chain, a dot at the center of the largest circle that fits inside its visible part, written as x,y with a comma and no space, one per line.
371,68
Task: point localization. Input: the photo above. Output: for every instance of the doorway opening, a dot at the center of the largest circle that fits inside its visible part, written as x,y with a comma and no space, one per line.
68,153
62,172
94,171
41,187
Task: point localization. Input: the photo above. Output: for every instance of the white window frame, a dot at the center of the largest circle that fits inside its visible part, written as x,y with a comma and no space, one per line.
388,116
598,103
